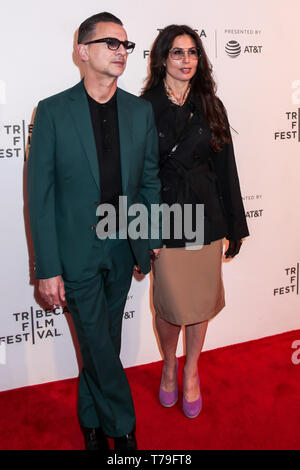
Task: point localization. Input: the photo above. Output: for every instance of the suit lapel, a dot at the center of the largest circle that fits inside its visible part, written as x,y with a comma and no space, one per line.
126,138
82,119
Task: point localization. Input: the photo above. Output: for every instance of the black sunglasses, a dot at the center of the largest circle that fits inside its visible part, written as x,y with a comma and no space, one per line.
113,44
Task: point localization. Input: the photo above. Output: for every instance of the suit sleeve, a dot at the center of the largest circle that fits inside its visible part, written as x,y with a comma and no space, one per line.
150,191
226,170
41,195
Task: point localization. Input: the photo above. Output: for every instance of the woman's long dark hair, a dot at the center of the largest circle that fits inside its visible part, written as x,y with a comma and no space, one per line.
202,83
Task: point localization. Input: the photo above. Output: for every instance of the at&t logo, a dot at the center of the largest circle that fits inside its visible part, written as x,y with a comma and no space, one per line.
233,49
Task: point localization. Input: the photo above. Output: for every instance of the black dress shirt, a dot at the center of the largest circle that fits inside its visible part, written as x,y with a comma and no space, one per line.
106,131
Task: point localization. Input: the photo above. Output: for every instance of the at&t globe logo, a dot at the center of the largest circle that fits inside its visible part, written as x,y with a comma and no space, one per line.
233,49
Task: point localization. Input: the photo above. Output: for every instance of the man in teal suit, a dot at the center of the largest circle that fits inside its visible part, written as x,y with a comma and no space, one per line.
90,145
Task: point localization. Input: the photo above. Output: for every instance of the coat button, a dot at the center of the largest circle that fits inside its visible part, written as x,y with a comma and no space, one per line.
161,135
200,130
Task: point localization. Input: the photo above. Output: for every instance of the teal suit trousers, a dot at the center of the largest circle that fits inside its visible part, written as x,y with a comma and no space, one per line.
97,305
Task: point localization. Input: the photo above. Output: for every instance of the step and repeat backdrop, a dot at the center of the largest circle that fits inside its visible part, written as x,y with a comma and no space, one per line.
254,50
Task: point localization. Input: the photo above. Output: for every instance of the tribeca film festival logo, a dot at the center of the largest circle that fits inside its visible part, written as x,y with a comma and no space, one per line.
34,325
201,32
233,48
14,136
292,118
17,136
292,285
38,325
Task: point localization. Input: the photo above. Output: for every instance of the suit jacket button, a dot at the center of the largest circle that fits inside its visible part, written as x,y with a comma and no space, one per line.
161,134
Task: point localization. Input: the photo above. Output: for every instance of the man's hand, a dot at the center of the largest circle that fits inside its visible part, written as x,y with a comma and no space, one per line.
52,290
233,248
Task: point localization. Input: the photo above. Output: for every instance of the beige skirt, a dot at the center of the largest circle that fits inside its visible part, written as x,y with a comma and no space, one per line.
187,284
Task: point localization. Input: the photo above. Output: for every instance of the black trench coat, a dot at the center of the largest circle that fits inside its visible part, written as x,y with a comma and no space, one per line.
194,173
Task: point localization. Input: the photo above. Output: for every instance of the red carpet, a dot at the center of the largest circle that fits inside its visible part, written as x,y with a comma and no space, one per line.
251,400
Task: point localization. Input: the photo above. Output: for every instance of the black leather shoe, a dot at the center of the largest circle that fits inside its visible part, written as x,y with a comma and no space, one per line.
95,439
127,442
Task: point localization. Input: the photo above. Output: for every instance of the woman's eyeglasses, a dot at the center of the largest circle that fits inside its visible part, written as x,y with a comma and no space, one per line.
113,44
178,53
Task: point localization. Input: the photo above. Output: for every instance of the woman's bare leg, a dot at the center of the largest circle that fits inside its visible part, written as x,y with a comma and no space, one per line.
168,336
194,336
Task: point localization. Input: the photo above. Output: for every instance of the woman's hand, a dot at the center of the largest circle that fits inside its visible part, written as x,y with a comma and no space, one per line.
155,253
233,248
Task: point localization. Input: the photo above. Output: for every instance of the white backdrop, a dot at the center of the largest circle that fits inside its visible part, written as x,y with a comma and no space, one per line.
261,90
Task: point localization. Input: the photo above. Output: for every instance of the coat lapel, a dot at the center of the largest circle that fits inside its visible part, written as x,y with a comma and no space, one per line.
82,119
81,116
126,138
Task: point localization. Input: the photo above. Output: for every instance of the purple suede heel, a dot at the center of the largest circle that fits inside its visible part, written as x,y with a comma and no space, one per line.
191,409
169,399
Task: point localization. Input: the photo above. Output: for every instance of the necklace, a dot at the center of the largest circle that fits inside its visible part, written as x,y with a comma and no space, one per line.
171,95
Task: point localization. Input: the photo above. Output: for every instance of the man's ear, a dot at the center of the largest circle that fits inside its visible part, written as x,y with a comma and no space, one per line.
83,52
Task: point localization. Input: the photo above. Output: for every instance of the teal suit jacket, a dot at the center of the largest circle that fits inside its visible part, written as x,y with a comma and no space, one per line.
64,181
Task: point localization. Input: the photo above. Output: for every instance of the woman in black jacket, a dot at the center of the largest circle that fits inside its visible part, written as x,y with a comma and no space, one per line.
197,166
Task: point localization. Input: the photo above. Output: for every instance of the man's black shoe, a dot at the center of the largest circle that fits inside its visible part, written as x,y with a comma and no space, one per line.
95,439
127,442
